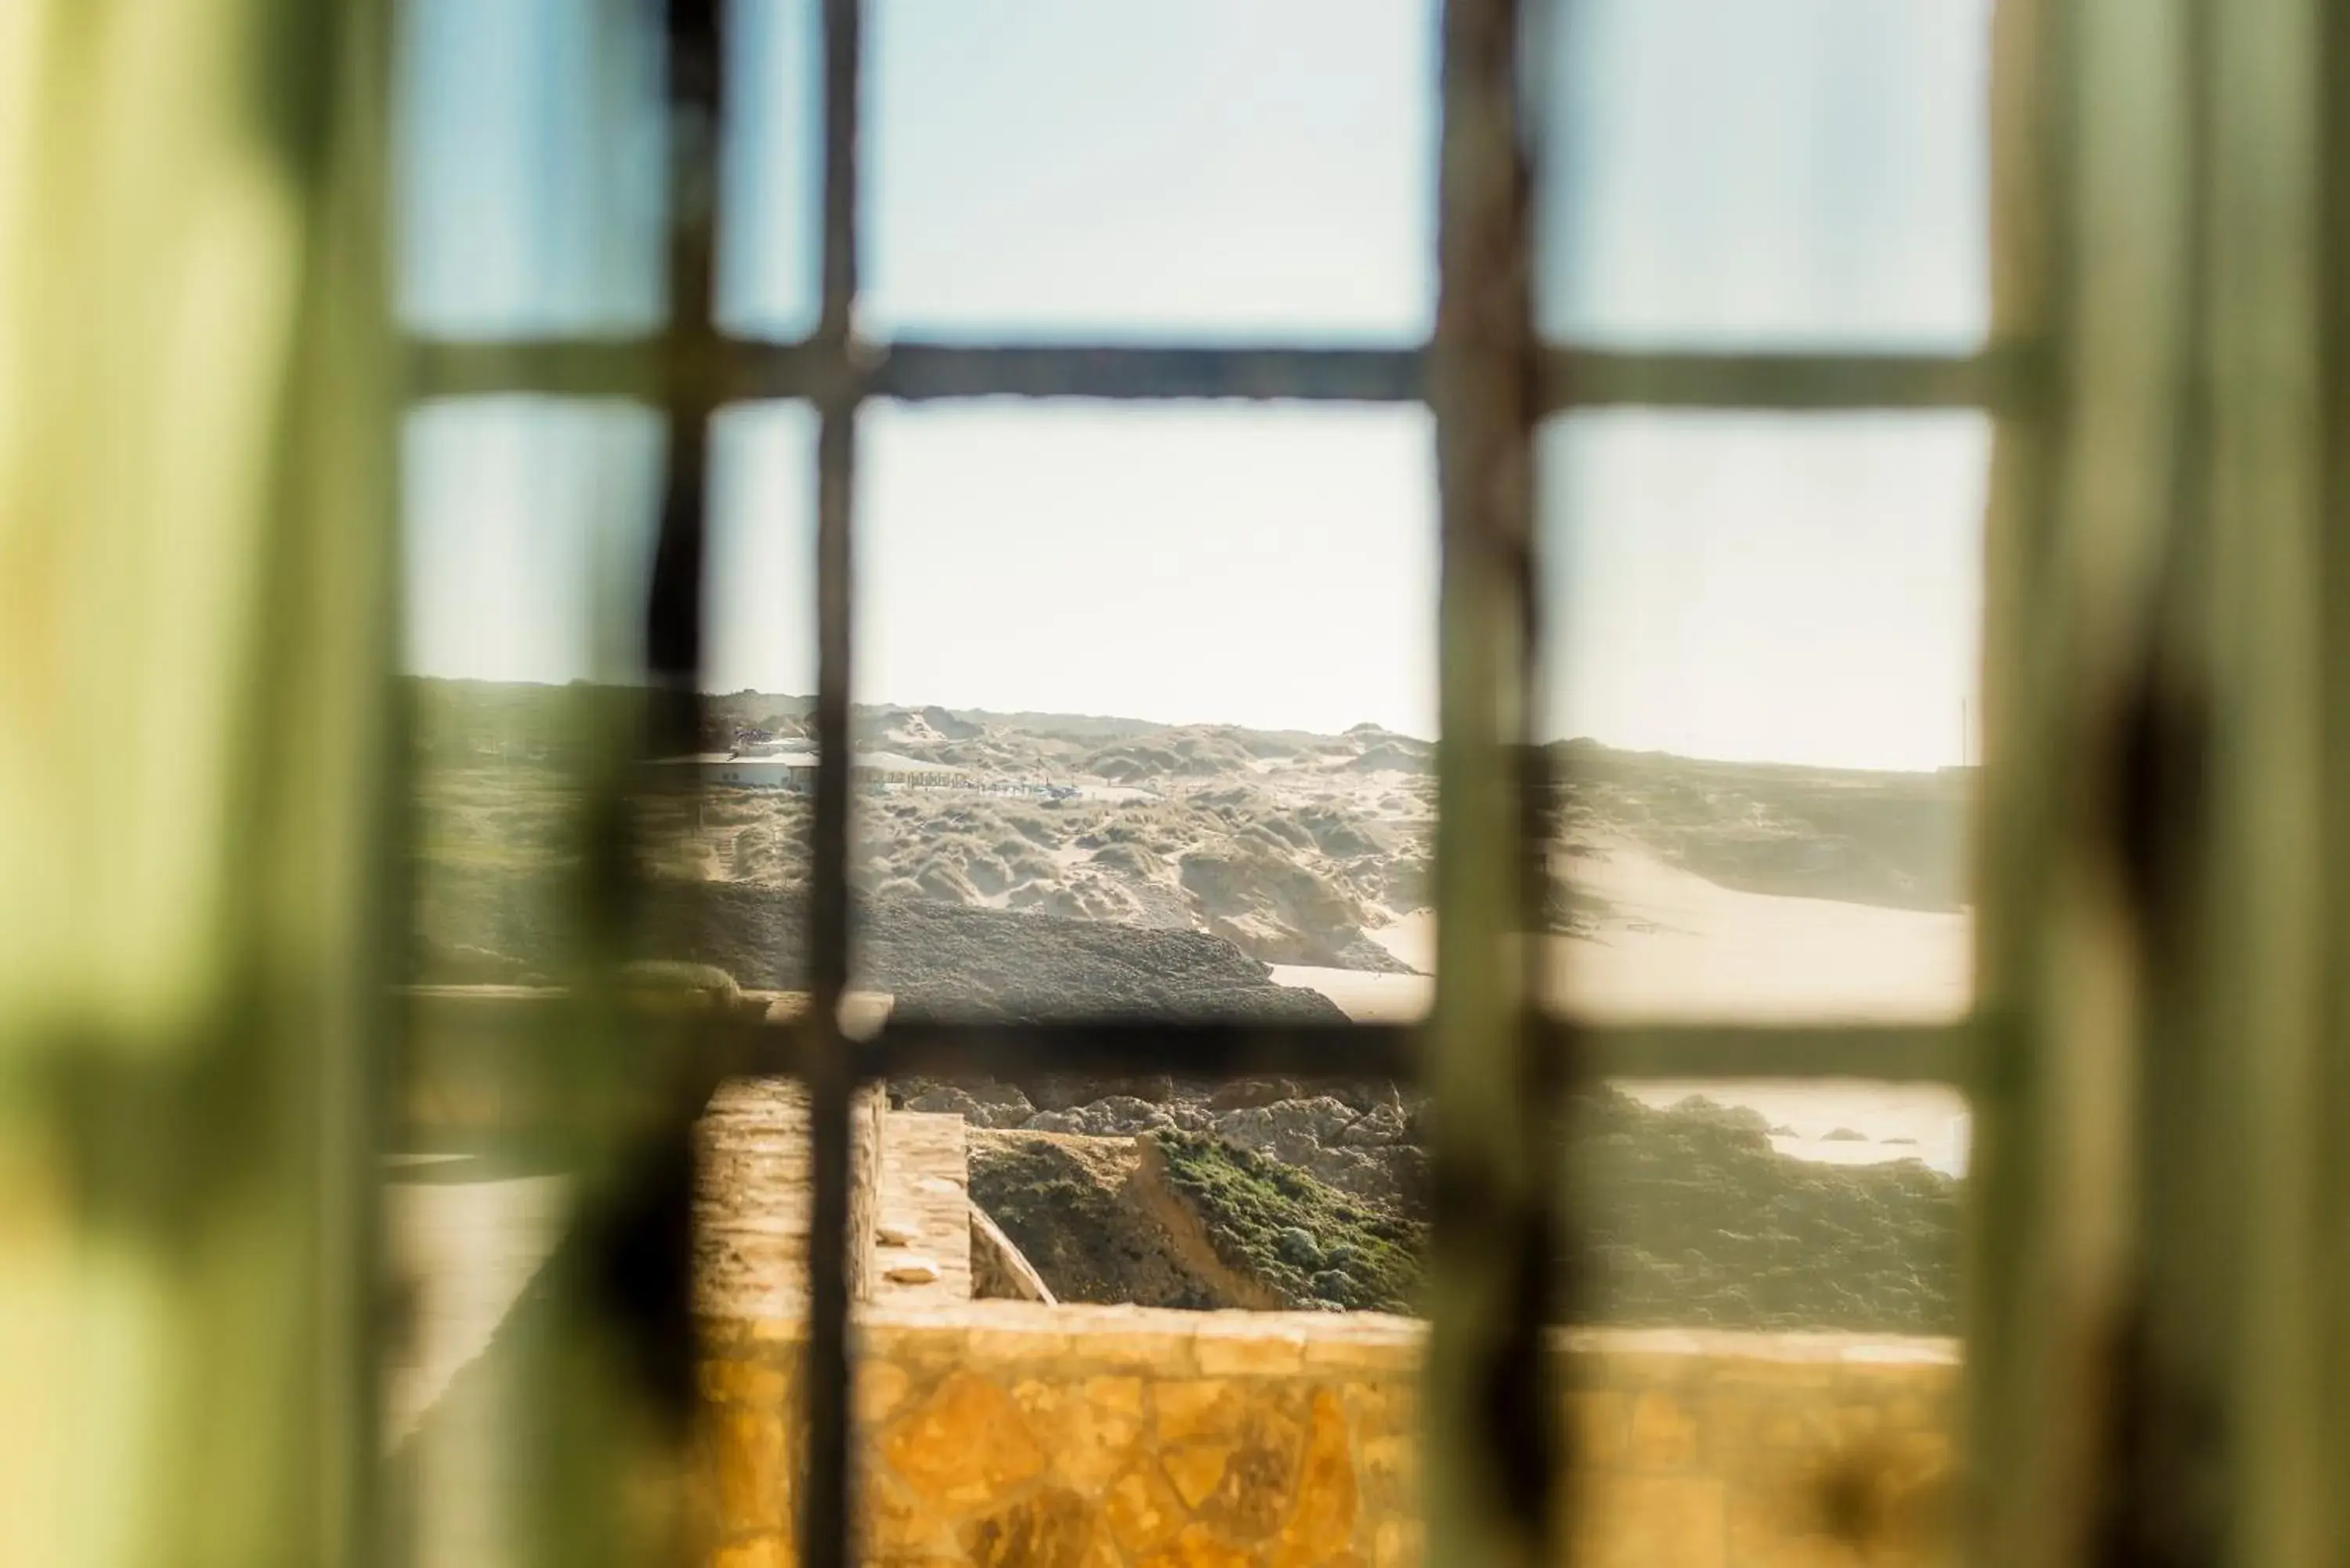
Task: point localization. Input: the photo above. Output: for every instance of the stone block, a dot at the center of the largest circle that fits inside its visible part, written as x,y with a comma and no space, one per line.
1367,1343
1132,1340
1764,1532
1851,1421
1229,1348
1872,1498
1653,1522
1014,1345
759,1551
927,1347
1789,1427
1087,1439
1664,1433
1141,1509
1123,1395
1198,1547
880,1387
1922,1453
744,1380
1321,1526
1800,1365
1916,1410
782,1329
1196,1469
1397,1543
895,1527
963,1446
1601,1427
753,1466
1260,1479
1391,1465
1383,1406
1049,1528
1192,1409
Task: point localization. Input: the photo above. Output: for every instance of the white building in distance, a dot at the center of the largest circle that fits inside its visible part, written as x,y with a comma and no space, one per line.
793,769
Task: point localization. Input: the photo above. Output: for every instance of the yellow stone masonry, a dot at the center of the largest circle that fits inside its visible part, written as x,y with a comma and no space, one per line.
999,1433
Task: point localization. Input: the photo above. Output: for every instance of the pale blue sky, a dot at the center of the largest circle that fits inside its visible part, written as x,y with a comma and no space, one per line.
1173,562
1754,172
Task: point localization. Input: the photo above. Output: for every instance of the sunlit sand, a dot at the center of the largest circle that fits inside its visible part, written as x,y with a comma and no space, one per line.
1672,947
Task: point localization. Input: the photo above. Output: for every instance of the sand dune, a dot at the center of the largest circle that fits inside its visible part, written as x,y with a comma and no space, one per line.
1673,946
1680,890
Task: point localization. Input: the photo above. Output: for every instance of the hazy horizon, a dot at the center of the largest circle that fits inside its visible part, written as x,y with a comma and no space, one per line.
966,711
1753,588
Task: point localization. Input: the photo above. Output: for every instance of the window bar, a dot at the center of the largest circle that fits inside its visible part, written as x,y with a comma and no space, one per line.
673,631
1490,1444
1880,1052
1210,1048
1999,377
826,1521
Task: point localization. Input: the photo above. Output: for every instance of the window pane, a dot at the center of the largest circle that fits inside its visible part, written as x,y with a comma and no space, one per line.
531,168
1101,1181
770,228
1227,167
733,850
759,577
1762,679
528,536
1145,701
1800,1207
528,531
1764,172
1112,1424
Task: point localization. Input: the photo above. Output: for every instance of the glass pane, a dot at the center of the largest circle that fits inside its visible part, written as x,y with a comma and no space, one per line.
1066,168
770,226
1103,1185
528,533
1145,699
733,849
1728,173
1794,1207
530,167
759,571
528,526
1761,679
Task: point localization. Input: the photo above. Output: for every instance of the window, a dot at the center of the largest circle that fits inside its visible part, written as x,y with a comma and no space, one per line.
1534,330
196,500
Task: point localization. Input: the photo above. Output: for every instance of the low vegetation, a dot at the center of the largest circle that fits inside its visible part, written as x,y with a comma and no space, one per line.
1303,1241
1688,1216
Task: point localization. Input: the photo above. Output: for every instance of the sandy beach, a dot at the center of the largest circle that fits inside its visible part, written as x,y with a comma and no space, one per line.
1674,947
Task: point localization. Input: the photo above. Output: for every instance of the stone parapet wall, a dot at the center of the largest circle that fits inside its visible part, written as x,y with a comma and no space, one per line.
1074,1436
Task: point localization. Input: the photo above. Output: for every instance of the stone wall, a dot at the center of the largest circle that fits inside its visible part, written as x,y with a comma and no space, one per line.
1071,1436
753,1195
